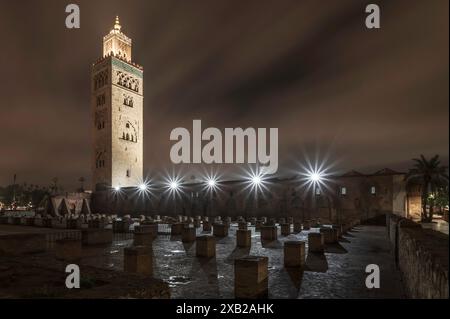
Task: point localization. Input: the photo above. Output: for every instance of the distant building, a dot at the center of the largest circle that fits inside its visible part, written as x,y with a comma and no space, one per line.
364,196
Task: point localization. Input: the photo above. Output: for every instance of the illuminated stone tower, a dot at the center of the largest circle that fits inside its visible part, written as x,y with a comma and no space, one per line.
117,113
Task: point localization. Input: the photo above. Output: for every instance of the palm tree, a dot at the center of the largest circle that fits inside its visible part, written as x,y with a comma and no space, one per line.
430,175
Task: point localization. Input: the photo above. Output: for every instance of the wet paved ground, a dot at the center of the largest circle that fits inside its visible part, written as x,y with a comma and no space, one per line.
437,225
339,273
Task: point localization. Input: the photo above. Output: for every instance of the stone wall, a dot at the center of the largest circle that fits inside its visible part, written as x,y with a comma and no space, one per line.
287,197
422,257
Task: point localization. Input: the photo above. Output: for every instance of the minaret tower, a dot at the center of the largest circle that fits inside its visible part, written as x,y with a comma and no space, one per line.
117,113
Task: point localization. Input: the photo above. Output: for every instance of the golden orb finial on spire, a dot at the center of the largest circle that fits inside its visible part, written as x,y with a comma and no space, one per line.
117,25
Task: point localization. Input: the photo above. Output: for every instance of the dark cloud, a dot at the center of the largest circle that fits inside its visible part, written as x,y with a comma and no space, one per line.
369,98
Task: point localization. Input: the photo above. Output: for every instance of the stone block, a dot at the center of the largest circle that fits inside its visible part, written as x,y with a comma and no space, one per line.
220,230
188,234
205,246
285,229
297,227
270,222
243,238
269,233
338,229
145,234
315,242
294,253
138,259
148,228
206,226
242,225
251,276
328,235
177,228
121,226
306,225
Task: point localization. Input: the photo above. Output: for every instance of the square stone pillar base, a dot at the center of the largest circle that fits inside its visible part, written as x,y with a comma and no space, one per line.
243,238
269,233
220,230
205,246
251,276
188,234
297,227
243,225
176,229
138,259
294,253
306,225
328,235
285,229
315,242
206,226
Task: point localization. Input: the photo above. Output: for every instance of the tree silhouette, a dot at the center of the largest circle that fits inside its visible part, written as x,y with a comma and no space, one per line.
430,175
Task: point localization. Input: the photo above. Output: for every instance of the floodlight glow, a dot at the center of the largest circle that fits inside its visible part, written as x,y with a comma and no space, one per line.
212,183
143,187
256,180
315,177
173,185
117,188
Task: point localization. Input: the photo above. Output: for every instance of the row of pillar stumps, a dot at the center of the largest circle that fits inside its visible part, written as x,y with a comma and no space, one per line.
251,272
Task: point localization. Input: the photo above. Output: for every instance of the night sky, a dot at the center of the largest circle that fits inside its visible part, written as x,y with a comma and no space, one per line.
367,99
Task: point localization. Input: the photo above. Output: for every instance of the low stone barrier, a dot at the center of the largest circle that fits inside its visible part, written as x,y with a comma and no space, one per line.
422,257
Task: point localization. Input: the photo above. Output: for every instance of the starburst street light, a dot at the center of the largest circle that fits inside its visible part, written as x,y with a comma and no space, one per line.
212,183
315,177
117,188
255,180
143,187
173,185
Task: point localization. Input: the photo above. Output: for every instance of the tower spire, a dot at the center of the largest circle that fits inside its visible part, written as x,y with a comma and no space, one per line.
117,25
